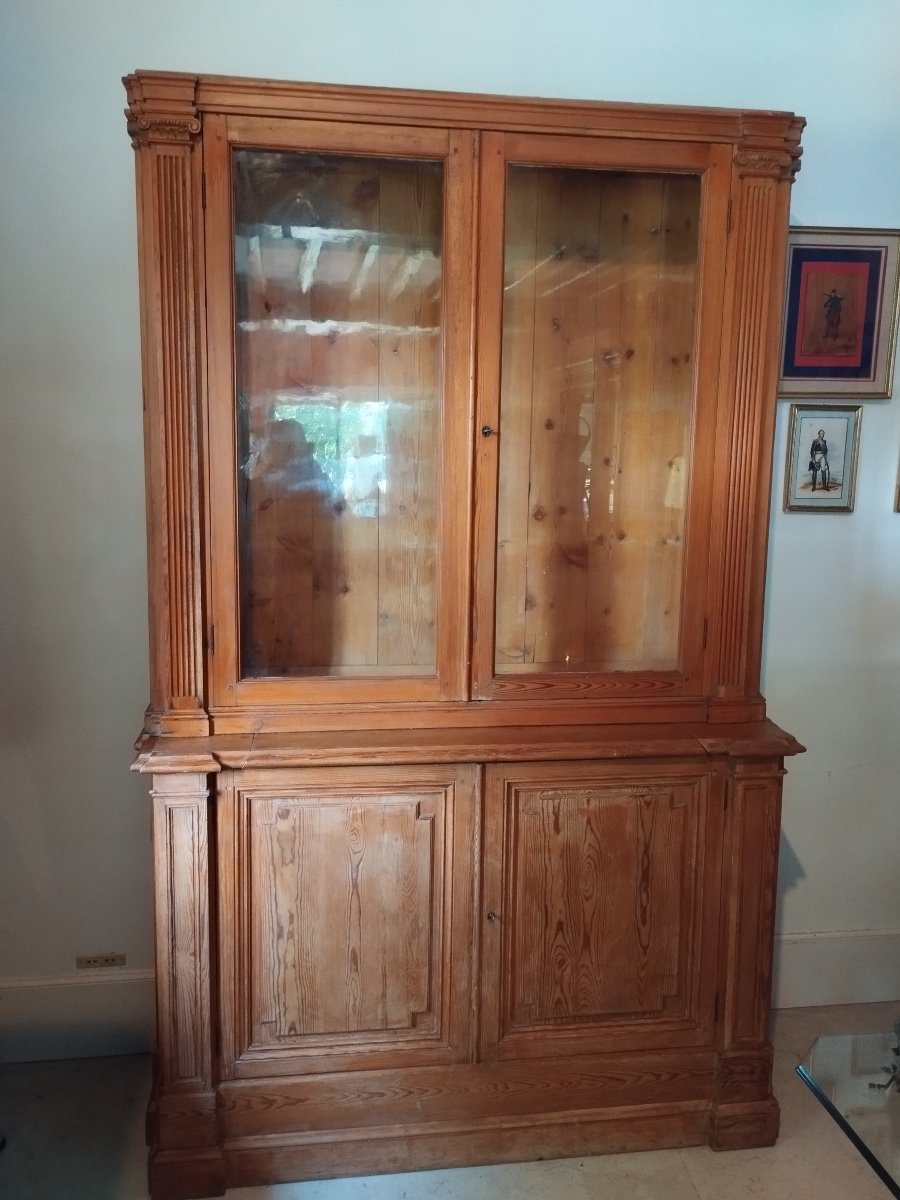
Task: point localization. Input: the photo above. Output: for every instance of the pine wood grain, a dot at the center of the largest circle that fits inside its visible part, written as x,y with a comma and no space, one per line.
466,803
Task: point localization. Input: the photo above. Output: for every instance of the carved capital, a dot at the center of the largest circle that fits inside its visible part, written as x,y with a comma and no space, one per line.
148,130
769,147
768,164
161,109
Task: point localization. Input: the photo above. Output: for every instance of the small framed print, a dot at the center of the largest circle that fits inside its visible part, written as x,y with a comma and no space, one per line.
823,446
840,312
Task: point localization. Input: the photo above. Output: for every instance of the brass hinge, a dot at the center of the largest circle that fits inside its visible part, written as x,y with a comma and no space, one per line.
211,639
203,191
705,631
729,224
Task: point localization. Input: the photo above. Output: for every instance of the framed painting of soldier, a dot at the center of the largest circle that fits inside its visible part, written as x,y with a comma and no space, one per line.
840,312
823,446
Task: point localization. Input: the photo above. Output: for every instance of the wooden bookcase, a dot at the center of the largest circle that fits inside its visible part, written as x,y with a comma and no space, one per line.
459,414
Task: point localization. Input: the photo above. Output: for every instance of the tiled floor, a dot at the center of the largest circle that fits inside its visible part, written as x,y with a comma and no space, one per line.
75,1132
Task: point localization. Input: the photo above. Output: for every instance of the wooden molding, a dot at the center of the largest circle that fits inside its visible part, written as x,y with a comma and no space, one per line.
767,164
768,153
748,938
161,109
753,329
184,1105
164,125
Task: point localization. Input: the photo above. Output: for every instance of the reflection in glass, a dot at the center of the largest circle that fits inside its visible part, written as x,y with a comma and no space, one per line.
600,275
338,311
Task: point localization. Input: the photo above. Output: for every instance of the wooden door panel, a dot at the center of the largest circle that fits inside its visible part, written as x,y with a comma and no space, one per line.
606,885
343,931
349,943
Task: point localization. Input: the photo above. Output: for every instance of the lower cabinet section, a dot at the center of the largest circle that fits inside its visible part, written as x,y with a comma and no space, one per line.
432,965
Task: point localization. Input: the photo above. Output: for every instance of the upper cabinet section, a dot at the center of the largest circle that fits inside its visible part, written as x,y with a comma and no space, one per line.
454,399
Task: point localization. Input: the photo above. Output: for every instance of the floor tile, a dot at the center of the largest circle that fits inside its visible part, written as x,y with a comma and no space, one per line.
615,1177
75,1132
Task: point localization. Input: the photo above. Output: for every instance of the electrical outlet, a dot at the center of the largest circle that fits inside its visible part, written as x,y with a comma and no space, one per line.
91,962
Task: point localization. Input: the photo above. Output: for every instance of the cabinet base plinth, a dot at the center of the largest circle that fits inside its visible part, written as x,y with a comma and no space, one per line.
380,1152
745,1126
186,1174
258,1161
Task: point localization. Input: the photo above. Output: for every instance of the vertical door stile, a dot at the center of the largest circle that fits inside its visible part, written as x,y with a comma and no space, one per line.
456,441
490,299
222,482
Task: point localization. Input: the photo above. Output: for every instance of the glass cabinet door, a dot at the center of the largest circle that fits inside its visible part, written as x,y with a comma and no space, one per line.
338,334
594,420
340,403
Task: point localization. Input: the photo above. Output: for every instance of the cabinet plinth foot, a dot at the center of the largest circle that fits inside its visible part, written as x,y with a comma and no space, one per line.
186,1174
745,1126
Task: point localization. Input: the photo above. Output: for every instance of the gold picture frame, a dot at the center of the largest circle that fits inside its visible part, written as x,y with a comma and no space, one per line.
822,453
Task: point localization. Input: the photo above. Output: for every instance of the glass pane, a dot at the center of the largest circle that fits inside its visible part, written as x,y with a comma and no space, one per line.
338,311
856,1078
595,417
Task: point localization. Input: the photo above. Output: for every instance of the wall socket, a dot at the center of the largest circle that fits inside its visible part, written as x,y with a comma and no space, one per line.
91,962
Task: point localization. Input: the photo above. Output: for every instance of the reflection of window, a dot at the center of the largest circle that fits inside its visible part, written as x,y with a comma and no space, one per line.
343,439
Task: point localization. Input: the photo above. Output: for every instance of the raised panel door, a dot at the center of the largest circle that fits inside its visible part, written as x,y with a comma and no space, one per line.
347,917
602,897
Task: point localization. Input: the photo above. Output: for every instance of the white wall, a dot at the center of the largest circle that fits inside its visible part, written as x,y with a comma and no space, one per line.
74,854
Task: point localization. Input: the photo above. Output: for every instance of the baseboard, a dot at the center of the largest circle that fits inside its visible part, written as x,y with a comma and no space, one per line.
854,966
88,1015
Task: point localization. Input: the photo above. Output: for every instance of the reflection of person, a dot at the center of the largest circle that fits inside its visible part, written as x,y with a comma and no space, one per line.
818,459
834,304
285,459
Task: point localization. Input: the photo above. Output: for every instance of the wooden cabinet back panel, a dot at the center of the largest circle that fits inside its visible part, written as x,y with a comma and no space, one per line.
596,400
338,345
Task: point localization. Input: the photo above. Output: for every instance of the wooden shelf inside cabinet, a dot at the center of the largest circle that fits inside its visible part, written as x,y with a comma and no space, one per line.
463,784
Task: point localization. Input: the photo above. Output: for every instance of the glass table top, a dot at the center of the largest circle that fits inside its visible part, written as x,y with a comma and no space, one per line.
856,1077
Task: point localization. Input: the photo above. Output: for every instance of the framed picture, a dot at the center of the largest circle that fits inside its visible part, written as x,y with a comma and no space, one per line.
840,312
823,445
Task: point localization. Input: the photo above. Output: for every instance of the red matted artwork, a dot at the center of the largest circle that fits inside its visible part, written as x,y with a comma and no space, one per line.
840,312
